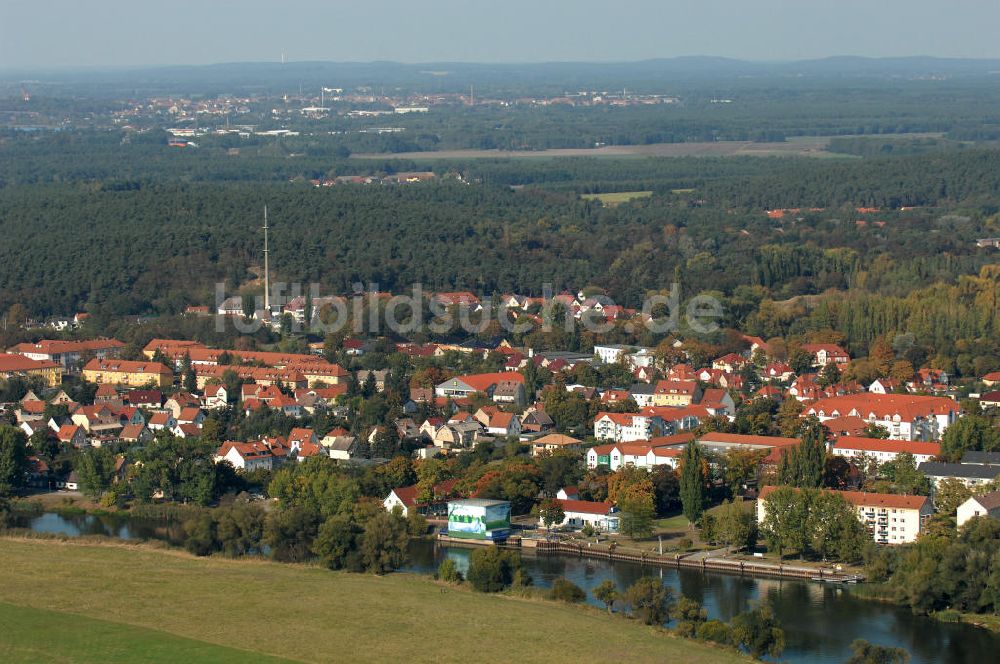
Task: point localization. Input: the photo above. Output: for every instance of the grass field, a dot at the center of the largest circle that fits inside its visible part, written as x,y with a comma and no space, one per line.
85,602
806,146
617,197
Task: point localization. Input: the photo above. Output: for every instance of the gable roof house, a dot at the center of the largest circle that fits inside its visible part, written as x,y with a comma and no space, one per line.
552,442
461,387
824,354
246,456
536,420
986,505
676,393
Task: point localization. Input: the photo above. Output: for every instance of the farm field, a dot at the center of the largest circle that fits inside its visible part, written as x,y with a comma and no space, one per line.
811,146
617,197
115,600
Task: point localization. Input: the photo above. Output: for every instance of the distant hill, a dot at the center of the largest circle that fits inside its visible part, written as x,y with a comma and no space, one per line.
453,76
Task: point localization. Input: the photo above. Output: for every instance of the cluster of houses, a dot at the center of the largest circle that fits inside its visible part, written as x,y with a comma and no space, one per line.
645,424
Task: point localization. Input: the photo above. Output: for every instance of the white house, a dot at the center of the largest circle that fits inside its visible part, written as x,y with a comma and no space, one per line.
640,455
884,450
504,424
986,505
904,416
625,427
889,518
970,474
216,397
580,513
246,456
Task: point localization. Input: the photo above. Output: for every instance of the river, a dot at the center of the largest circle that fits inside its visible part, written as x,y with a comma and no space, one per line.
820,620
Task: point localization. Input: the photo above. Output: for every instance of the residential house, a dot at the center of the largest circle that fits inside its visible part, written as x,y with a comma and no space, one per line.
889,518
904,416
552,442
72,434
885,386
13,365
990,399
191,415
301,435
162,421
216,397
379,377
136,433
342,448
824,354
676,393
187,430
851,447
179,401
536,420
125,372
246,456
461,387
643,394
144,398
457,434
624,427
718,402
778,371
503,424
986,505
970,474
69,354
601,516
404,499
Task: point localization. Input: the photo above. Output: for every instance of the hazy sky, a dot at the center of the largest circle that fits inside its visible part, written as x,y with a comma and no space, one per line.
57,33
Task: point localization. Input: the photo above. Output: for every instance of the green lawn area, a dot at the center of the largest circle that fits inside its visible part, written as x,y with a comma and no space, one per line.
99,602
40,635
676,522
616,198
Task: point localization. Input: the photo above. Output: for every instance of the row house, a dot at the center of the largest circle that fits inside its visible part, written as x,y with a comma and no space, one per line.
637,454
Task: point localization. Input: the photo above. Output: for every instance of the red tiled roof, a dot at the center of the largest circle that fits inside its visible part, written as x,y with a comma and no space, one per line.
744,439
879,445
483,382
585,506
863,499
408,494
58,346
127,366
10,362
687,387
907,406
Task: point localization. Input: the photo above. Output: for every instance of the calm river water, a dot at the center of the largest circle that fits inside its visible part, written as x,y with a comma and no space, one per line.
820,620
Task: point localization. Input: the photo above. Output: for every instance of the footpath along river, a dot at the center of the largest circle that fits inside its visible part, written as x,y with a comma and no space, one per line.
820,620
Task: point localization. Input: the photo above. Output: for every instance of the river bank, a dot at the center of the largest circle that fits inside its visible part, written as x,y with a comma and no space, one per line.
307,613
820,620
880,592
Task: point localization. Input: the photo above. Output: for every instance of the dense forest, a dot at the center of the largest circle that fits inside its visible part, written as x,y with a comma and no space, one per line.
872,246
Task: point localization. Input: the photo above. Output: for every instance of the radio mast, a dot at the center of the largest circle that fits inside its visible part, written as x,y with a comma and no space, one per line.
267,274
